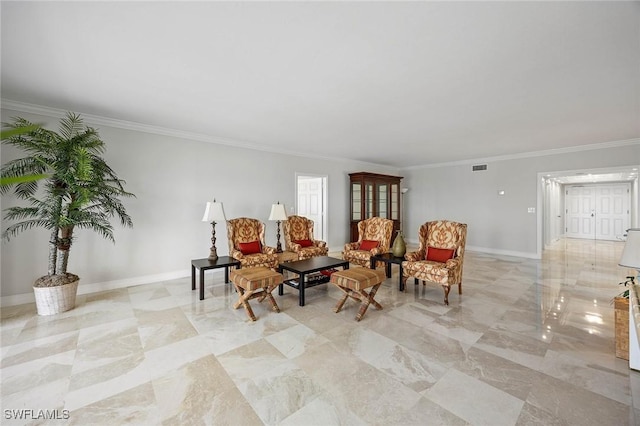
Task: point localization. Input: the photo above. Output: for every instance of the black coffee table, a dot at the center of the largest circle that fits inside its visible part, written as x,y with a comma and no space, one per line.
306,267
388,259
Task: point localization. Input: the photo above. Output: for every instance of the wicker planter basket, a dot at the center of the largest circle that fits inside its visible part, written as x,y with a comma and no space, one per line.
621,305
57,299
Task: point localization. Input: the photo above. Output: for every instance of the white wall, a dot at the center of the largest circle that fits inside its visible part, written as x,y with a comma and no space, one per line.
172,179
497,224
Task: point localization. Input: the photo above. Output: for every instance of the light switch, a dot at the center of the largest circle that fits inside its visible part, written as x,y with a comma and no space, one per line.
531,210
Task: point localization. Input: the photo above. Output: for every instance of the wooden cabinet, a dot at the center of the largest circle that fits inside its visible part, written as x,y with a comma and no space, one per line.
371,195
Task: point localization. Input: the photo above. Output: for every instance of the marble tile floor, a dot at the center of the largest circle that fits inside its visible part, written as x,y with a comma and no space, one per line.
530,342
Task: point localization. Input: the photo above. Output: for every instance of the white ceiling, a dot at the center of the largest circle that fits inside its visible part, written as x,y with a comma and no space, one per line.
401,84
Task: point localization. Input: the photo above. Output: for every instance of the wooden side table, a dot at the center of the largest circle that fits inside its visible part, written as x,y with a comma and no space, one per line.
203,264
388,259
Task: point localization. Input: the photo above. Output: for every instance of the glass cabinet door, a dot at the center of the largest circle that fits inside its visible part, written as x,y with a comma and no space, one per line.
356,201
368,200
395,205
383,202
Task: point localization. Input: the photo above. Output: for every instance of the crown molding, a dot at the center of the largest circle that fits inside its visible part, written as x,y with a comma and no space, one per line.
164,131
555,151
181,134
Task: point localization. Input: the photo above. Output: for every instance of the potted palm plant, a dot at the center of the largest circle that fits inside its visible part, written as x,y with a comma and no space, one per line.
79,191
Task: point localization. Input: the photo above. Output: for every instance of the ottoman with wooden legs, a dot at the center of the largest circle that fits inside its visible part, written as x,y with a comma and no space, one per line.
354,282
255,282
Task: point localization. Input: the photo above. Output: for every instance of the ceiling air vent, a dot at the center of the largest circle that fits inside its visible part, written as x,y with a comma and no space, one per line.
479,167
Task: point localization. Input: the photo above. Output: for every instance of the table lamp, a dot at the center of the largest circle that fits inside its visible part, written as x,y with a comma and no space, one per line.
213,212
631,252
278,214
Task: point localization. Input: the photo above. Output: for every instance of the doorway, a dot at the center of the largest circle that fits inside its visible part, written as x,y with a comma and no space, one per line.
311,202
618,211
600,212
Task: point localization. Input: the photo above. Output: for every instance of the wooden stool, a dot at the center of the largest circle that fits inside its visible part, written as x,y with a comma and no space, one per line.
353,283
255,282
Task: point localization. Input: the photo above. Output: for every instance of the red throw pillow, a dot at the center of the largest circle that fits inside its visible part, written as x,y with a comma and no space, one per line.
250,248
304,243
439,254
369,244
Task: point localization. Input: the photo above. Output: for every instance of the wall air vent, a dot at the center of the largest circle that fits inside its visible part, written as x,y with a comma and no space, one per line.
479,167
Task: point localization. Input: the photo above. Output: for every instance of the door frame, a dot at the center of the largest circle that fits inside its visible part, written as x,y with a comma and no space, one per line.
325,200
542,224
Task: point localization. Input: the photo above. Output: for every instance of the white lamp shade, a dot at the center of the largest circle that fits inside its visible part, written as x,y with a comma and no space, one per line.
214,212
278,212
631,252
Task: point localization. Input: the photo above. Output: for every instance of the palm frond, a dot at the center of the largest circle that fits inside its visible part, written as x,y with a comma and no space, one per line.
71,125
12,131
16,228
80,190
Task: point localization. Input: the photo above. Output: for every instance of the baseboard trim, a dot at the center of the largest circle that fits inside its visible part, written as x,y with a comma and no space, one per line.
512,253
476,249
24,298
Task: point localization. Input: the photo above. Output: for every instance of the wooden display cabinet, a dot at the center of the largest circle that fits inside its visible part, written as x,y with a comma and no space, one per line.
372,195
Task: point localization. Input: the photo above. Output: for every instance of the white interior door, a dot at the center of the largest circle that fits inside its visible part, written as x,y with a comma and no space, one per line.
311,202
597,211
612,211
580,212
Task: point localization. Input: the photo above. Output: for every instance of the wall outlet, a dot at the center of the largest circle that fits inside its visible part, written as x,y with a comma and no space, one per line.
531,209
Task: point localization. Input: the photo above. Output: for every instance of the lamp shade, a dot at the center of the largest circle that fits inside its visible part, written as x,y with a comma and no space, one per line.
214,212
631,252
278,212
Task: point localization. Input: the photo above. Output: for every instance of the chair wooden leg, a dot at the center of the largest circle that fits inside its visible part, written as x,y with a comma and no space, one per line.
372,293
446,289
367,299
460,287
240,291
341,302
244,300
274,305
363,309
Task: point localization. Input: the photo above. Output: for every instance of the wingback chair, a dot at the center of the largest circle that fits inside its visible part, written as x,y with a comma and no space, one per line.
374,237
440,256
298,238
246,243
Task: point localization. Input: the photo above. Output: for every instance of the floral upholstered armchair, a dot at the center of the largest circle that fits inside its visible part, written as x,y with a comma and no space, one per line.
246,243
440,256
374,237
298,238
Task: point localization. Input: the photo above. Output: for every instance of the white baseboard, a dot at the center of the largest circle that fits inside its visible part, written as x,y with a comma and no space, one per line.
21,299
524,254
